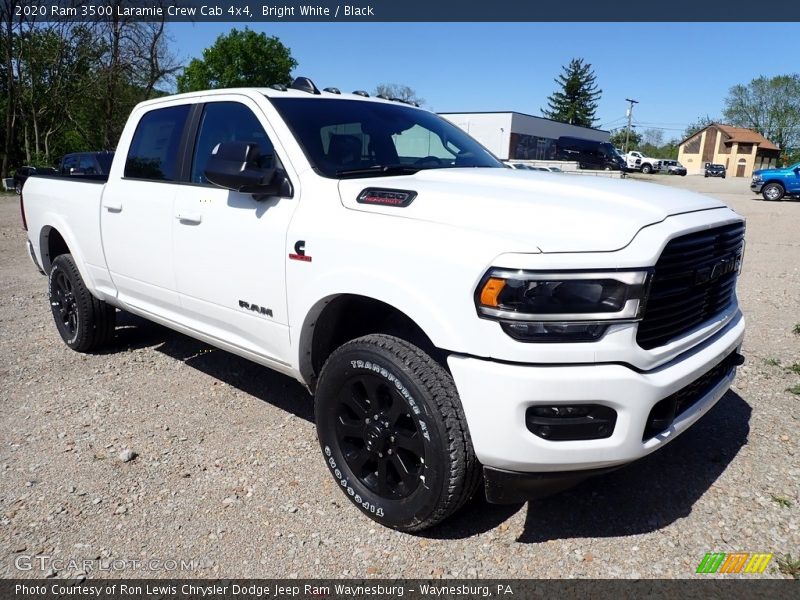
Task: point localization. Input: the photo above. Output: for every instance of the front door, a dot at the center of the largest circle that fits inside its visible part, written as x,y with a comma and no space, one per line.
230,248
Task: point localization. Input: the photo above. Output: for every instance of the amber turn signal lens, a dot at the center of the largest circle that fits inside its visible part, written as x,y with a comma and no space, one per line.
491,290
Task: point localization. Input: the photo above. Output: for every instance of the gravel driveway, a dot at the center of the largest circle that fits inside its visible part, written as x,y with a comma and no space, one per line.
226,473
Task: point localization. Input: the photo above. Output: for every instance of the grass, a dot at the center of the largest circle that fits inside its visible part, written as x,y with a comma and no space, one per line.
795,389
794,368
772,362
789,566
781,501
796,329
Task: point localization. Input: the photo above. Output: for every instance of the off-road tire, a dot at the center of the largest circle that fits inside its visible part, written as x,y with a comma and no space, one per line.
404,378
84,322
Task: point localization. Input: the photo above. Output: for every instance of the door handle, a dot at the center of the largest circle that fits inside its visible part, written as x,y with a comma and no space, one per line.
190,218
112,206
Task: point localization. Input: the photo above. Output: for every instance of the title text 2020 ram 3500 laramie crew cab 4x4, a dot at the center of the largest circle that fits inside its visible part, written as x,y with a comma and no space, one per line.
457,321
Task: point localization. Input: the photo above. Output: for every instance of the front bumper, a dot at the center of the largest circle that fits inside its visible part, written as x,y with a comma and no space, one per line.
756,186
495,397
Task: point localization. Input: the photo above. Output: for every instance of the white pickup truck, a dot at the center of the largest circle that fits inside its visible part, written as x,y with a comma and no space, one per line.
457,321
641,162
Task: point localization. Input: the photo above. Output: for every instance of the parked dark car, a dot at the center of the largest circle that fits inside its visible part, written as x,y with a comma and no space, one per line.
86,163
590,154
713,170
22,174
673,167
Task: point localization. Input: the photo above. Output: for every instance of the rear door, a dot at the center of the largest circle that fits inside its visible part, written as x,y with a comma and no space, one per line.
230,248
137,211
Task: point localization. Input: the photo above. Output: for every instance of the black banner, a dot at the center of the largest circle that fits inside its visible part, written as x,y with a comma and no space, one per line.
387,589
247,11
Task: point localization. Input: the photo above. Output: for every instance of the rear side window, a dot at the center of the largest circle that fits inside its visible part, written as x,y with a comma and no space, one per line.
154,149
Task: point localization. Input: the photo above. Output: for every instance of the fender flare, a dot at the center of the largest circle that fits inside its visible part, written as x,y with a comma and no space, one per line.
54,222
422,310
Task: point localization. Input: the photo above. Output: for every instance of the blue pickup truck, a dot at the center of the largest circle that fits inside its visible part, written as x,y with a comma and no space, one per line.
774,184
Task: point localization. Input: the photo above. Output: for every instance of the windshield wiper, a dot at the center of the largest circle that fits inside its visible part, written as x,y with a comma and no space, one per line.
377,170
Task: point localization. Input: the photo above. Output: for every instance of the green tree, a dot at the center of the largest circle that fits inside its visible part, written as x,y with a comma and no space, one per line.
770,106
576,99
239,59
618,139
698,125
396,90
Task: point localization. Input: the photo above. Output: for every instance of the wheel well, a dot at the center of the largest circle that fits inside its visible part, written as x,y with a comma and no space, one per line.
347,317
778,181
53,245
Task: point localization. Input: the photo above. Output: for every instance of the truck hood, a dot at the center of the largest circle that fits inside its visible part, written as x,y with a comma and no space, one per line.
532,211
772,172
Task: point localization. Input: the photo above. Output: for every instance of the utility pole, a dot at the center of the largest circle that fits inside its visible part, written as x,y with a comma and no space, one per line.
630,117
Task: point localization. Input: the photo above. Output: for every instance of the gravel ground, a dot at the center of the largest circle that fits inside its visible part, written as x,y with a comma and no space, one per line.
164,447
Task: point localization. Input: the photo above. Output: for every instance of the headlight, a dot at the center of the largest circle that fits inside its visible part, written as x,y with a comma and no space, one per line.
756,177
539,306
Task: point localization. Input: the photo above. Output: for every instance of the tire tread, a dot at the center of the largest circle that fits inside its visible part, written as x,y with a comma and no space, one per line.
465,471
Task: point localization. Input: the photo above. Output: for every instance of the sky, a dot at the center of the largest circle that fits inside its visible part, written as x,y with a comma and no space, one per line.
678,72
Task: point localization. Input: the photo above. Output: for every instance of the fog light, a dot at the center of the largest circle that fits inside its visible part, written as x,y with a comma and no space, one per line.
554,331
563,422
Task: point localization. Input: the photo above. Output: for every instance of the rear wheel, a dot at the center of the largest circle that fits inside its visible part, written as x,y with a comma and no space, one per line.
18,188
393,433
773,192
84,322
647,169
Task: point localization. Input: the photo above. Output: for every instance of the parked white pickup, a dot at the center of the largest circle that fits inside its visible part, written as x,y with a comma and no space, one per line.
454,318
639,162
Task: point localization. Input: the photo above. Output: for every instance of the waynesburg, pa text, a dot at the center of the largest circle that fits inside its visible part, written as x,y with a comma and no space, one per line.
261,591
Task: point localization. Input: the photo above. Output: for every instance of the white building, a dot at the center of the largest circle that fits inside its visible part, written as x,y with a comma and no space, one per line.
517,136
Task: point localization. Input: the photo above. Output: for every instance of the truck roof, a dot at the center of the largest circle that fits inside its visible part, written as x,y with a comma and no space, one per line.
282,92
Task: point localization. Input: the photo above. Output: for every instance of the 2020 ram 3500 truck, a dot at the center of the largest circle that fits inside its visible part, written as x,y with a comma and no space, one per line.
456,321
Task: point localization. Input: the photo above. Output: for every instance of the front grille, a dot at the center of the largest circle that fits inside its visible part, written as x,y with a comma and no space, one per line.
664,412
694,280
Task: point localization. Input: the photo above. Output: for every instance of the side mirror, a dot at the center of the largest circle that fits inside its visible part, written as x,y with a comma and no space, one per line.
235,166
797,171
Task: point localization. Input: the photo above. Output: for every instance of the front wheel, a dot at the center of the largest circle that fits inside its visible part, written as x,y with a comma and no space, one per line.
18,188
773,192
393,433
647,169
84,322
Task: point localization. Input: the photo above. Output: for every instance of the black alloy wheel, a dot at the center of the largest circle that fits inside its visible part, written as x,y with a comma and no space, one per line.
380,441
65,308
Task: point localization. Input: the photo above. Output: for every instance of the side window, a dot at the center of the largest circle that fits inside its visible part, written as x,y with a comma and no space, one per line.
228,122
86,165
154,149
71,162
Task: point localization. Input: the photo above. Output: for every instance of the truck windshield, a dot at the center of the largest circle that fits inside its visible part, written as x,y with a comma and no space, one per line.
354,138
